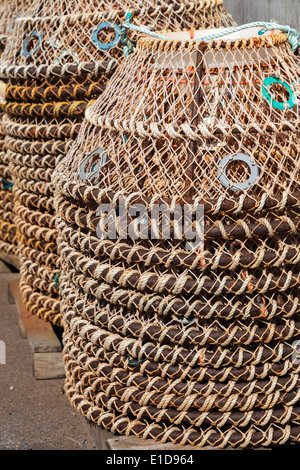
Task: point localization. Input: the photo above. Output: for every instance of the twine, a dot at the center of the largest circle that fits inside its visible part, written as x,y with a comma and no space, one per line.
292,35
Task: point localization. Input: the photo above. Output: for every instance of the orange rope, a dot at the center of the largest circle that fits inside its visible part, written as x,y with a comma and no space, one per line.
201,356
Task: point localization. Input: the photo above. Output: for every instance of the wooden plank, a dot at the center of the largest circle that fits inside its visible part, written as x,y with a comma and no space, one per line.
134,443
105,440
46,347
11,260
4,268
283,11
39,333
48,366
101,437
12,277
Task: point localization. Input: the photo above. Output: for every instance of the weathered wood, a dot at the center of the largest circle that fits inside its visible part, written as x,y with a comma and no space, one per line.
46,347
11,277
101,437
105,440
247,11
11,260
4,268
134,443
39,333
48,366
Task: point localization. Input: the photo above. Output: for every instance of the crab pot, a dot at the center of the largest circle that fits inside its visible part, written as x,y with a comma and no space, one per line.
58,62
166,339
9,11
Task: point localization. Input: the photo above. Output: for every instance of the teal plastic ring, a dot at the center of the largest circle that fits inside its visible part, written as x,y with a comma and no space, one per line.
109,45
277,104
35,34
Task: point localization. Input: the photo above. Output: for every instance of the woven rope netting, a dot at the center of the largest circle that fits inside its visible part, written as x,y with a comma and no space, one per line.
162,340
9,10
59,60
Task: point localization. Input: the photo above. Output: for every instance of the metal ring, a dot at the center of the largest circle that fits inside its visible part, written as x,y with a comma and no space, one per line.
277,104
39,36
95,170
102,45
237,186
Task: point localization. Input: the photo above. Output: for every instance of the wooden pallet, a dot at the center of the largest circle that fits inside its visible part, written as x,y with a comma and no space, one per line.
46,347
11,260
105,440
134,443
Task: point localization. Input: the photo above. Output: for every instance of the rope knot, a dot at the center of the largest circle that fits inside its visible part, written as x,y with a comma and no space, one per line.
128,46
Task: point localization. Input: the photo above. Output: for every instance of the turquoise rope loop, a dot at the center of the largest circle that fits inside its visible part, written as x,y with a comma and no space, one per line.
133,363
292,34
128,46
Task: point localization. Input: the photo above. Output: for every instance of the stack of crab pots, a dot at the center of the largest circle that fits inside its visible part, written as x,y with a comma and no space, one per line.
58,62
166,337
9,11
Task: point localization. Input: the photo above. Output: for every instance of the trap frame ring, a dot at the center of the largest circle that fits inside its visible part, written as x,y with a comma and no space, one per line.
95,170
224,180
268,82
35,34
109,45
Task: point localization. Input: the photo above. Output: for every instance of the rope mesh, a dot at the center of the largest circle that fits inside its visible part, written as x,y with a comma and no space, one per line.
9,11
58,61
163,340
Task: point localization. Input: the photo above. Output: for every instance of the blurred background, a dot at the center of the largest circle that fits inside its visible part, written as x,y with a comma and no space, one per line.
283,11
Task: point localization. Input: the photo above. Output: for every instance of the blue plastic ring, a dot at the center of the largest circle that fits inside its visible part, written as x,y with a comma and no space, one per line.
102,45
34,33
277,104
237,186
